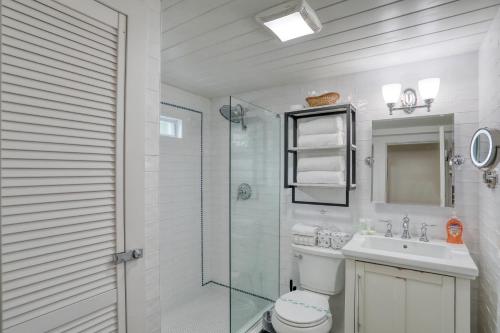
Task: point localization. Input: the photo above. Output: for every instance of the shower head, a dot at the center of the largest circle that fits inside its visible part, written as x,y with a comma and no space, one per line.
235,114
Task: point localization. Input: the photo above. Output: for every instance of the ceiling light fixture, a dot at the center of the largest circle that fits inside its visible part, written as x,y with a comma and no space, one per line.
428,89
290,20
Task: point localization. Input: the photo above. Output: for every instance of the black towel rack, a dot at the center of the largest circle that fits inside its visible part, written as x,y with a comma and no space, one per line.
291,120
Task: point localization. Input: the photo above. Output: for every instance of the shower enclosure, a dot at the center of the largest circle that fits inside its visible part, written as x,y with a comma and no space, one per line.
219,216
254,212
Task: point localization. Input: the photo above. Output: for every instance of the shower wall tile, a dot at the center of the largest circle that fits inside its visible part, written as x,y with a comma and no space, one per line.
151,161
489,199
217,178
179,202
458,94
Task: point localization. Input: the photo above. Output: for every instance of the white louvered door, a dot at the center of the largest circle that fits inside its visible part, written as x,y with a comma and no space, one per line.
61,205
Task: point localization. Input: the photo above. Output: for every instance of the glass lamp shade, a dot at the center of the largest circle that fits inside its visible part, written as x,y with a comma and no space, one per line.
429,88
391,93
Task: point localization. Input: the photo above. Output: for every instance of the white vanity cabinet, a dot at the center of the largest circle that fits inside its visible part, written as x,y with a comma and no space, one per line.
388,299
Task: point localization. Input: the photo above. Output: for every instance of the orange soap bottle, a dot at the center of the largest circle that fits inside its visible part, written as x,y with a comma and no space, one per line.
455,230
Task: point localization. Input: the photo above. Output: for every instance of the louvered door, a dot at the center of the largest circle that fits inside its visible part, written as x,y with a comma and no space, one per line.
62,113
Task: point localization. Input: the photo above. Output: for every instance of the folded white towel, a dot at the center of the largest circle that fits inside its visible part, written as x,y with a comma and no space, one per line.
321,163
321,140
305,230
304,240
321,177
323,125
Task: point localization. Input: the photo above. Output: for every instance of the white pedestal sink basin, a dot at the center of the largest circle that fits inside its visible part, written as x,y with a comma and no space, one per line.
435,256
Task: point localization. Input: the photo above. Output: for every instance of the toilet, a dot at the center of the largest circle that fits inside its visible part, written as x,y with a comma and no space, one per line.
321,275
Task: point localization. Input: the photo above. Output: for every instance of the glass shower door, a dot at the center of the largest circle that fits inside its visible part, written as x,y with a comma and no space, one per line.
254,212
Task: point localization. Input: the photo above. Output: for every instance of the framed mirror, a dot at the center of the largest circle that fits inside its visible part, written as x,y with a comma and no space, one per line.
411,160
483,148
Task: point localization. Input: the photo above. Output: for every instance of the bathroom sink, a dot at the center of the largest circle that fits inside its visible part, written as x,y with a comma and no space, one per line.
435,256
404,247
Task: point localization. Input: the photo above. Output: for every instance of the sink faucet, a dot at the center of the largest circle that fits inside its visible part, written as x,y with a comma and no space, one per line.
423,232
406,227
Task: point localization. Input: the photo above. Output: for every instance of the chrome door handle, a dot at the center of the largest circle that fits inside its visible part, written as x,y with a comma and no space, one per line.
128,256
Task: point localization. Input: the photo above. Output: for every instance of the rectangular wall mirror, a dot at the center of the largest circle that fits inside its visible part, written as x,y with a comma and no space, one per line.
411,161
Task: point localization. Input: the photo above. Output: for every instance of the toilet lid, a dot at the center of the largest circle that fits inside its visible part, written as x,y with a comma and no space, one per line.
303,308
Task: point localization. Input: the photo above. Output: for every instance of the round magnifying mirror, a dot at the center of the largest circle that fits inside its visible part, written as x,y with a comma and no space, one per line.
483,148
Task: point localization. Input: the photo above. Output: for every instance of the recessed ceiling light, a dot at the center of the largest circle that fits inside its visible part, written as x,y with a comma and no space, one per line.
290,20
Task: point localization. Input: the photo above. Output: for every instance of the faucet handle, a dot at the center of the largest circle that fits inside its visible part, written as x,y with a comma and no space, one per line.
423,231
388,222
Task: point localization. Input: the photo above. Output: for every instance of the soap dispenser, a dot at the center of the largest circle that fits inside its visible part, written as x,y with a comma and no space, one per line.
454,229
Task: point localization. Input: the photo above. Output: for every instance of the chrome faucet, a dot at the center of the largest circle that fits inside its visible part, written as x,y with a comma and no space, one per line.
388,232
423,232
406,228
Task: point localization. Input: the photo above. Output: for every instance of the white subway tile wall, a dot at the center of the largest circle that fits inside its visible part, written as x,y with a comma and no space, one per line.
180,257
151,164
489,199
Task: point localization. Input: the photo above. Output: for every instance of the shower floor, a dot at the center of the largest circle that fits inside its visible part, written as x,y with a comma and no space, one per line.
208,312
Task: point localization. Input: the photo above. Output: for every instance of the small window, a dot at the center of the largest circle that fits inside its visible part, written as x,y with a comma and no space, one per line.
171,127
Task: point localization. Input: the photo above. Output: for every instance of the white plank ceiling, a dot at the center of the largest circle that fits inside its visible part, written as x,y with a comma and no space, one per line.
216,48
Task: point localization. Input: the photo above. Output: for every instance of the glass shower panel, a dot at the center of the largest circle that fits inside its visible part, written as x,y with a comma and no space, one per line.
254,212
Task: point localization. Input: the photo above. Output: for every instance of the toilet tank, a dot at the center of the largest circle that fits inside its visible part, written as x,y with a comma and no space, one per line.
321,270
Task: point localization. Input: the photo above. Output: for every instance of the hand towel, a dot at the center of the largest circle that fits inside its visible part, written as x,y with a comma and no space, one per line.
321,140
321,177
321,163
323,125
304,230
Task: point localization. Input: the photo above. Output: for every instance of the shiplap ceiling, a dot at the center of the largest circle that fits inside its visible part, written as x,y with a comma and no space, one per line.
216,48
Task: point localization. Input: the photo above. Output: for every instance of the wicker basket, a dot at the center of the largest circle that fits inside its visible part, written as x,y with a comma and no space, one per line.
325,99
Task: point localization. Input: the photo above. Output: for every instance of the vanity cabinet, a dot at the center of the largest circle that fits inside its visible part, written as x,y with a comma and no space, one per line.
393,300
388,299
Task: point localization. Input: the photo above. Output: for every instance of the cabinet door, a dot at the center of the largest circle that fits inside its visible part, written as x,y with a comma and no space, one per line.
430,303
381,300
399,300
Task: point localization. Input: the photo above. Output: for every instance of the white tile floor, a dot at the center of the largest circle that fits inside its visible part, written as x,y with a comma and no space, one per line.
208,312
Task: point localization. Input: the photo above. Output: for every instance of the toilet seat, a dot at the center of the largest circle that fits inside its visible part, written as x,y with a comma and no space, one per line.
302,311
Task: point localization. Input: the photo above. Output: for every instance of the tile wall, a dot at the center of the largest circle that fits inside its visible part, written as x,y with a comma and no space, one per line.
489,199
151,161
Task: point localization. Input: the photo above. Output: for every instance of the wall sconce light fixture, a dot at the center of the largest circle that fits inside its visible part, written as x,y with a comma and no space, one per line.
428,89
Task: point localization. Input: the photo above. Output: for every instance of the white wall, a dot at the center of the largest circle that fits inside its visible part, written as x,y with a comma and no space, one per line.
489,199
458,94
